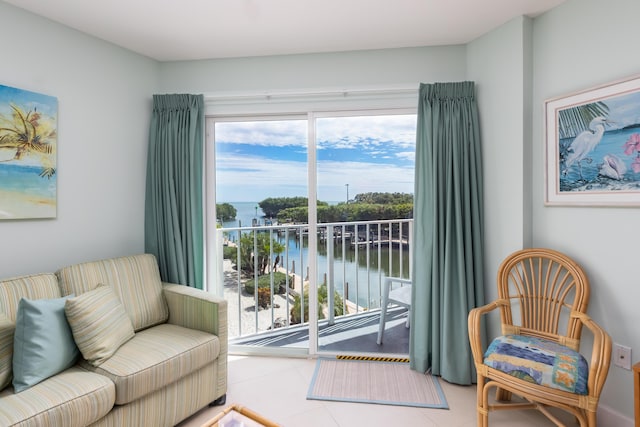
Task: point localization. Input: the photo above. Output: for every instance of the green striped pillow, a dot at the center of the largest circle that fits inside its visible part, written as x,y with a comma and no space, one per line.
99,323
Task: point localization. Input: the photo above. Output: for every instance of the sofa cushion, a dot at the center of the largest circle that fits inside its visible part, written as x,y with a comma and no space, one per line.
156,357
99,323
72,398
43,344
135,280
7,328
37,286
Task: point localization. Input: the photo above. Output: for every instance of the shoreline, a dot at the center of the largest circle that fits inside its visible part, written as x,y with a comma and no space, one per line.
18,205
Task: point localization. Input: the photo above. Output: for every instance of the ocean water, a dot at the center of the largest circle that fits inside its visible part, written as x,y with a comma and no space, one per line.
246,212
27,181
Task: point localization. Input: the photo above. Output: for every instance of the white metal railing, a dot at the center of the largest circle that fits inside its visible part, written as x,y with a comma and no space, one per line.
353,260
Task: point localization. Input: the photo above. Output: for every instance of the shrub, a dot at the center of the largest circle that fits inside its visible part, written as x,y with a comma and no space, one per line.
230,252
264,282
338,309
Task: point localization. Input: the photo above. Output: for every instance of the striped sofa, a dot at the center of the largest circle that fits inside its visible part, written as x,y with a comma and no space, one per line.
173,363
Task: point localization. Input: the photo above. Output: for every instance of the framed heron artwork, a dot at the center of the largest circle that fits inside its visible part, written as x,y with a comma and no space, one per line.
28,140
593,146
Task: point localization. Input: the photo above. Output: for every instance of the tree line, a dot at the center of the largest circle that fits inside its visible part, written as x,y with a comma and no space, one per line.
363,207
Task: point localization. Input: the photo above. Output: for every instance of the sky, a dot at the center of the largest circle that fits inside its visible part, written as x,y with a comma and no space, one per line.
260,159
624,110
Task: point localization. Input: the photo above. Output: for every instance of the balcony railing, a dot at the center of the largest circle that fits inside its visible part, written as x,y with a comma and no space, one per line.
266,273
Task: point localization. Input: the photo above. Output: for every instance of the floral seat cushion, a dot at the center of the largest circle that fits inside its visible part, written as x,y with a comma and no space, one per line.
539,361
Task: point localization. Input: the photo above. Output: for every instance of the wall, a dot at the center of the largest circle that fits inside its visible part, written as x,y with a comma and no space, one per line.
581,44
104,99
497,63
326,71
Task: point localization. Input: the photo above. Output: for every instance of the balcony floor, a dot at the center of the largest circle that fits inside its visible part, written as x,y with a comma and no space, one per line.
349,334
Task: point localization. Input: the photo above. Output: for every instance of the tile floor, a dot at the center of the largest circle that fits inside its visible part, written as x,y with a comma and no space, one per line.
276,388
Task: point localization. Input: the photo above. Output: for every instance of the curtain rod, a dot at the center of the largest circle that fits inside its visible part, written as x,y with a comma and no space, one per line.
311,94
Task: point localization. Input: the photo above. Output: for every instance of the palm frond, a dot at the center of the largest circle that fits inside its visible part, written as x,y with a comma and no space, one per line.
48,172
572,121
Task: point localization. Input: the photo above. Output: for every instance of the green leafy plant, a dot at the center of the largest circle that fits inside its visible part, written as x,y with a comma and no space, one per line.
338,309
264,282
263,243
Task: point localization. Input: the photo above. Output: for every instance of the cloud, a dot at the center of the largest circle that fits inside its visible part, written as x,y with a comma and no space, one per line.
370,153
254,179
395,129
267,133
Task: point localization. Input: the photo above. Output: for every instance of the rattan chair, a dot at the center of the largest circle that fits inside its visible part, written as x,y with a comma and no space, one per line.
549,294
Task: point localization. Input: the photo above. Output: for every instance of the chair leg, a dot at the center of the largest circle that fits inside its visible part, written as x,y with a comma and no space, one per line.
502,395
483,402
383,318
383,310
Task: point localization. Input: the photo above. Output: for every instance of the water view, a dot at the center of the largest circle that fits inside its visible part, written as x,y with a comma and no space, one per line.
358,267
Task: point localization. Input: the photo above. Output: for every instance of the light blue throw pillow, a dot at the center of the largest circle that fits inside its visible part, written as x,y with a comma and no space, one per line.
43,344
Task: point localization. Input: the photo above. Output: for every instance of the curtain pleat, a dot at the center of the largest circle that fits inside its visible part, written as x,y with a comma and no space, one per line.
174,201
448,231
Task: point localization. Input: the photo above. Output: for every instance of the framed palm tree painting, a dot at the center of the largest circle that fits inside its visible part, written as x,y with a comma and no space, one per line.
28,140
593,146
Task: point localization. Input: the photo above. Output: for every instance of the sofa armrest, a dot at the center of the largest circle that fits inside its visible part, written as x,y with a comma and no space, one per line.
196,309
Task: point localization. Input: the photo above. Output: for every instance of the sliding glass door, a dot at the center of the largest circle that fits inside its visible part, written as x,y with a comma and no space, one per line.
312,212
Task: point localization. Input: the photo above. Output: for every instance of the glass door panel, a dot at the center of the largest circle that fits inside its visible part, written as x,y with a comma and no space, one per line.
365,173
261,202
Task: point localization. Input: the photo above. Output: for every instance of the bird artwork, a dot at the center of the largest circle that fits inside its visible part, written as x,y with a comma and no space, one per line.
583,144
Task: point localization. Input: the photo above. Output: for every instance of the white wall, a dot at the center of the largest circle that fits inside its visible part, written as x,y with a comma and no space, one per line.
104,104
576,46
496,62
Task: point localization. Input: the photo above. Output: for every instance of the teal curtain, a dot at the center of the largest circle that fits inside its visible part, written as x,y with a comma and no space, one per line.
448,231
174,201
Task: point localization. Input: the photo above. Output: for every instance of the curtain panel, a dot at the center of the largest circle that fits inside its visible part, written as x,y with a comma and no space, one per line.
448,231
174,200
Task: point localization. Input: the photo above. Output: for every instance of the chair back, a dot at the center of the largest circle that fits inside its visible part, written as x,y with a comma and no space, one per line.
542,288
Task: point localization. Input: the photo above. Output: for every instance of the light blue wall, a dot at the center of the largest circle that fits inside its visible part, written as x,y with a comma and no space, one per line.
104,99
347,70
581,44
498,64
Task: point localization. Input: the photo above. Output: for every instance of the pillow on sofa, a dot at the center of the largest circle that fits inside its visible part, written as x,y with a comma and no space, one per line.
99,323
7,328
42,343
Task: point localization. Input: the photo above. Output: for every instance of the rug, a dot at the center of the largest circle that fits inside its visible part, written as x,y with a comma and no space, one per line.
371,381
